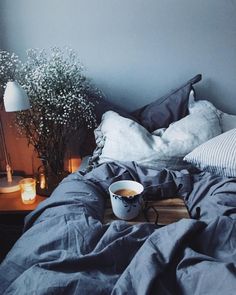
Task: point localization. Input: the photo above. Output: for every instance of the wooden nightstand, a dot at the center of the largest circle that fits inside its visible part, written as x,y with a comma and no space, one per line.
11,203
12,214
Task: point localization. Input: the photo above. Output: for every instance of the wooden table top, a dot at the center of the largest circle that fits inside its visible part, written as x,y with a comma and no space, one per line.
169,211
11,202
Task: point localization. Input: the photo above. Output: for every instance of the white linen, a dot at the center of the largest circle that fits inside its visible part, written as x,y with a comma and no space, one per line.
121,139
227,121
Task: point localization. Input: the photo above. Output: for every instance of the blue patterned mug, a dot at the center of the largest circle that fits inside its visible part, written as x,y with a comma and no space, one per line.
126,198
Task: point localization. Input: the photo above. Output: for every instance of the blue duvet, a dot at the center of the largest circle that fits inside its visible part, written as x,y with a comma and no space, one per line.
66,248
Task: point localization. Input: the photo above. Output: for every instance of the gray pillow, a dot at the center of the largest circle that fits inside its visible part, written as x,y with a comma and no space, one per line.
167,109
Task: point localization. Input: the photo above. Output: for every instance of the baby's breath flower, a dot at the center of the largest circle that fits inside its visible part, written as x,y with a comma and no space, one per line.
62,99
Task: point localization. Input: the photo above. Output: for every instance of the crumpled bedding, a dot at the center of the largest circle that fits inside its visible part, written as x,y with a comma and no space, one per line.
115,137
66,248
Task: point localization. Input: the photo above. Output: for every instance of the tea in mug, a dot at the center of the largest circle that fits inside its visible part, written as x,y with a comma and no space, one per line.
125,192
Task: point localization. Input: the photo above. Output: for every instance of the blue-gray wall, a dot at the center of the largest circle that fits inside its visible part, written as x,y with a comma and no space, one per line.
135,50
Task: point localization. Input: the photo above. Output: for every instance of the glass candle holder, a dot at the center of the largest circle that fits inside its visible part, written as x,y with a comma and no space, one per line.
28,190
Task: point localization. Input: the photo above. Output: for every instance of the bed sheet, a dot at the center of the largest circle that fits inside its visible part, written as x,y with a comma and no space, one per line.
66,248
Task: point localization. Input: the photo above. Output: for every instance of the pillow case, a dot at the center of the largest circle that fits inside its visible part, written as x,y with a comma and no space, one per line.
227,121
122,139
87,140
167,109
157,114
194,129
217,155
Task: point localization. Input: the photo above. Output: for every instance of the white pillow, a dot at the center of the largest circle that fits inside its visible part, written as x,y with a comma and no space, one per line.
186,134
217,155
124,140
199,105
227,121
121,139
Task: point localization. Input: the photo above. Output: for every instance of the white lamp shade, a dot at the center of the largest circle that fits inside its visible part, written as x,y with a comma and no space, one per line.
15,98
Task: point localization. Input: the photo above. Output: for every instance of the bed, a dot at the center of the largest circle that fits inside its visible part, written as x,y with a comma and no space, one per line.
67,248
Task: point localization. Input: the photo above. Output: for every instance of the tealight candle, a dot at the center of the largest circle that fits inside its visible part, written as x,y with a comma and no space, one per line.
28,190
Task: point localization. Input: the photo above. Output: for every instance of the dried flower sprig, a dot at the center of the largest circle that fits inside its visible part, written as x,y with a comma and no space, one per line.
62,99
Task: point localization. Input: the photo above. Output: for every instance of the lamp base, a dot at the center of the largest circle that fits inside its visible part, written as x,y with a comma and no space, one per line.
10,187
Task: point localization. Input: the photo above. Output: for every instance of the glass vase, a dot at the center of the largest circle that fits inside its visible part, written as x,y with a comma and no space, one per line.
46,179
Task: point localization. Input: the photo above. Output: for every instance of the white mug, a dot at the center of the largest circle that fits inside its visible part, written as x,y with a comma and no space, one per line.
126,207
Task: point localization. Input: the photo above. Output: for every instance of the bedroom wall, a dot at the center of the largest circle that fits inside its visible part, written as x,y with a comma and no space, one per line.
134,50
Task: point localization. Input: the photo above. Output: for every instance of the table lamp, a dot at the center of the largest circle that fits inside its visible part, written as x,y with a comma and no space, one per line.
15,99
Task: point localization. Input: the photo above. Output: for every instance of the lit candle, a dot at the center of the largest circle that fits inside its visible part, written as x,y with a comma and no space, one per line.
74,164
28,190
42,181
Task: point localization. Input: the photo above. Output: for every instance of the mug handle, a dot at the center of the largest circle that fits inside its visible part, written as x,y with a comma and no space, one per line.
146,209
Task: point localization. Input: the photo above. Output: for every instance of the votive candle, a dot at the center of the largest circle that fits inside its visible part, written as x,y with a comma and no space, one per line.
28,190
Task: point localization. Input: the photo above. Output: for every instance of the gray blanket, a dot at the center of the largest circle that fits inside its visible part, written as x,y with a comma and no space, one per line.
66,248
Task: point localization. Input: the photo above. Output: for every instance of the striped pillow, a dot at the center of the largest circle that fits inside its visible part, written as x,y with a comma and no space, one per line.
217,155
